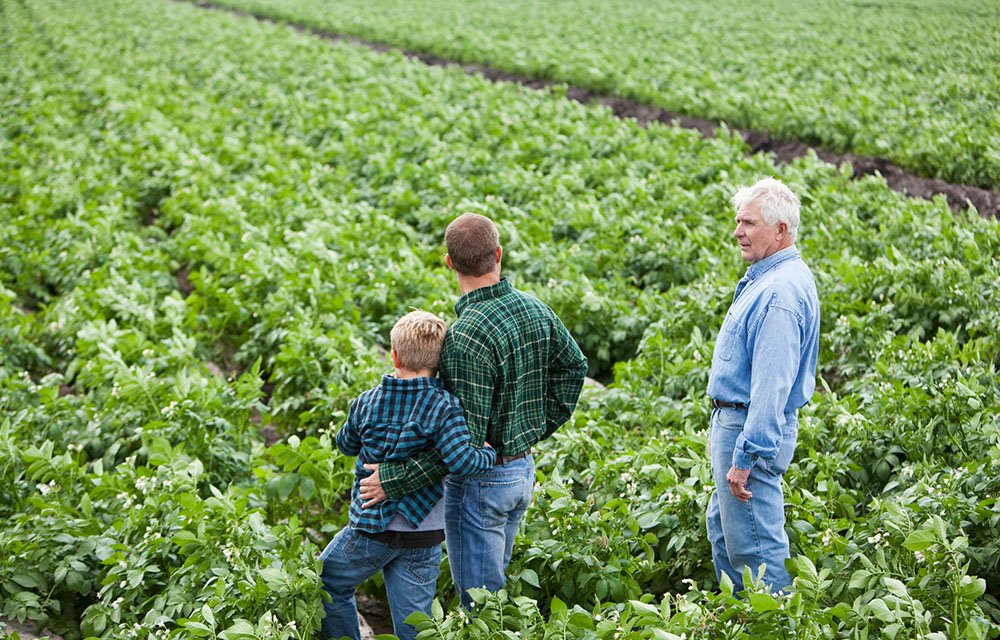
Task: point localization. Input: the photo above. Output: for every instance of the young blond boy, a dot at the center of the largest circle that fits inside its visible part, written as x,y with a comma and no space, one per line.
408,412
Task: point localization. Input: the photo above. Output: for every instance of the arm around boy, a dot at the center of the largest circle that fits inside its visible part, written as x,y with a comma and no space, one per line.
408,412
518,373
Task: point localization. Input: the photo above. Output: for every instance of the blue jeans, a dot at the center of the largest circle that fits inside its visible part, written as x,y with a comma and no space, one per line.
753,533
410,581
482,514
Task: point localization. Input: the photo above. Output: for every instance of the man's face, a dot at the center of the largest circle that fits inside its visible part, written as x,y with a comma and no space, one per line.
757,239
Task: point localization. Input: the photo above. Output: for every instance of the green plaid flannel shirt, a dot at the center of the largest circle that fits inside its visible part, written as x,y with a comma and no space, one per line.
516,370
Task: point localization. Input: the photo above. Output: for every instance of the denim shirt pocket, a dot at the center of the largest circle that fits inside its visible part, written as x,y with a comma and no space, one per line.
728,339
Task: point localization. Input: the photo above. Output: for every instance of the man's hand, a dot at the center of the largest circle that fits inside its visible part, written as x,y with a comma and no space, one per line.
371,488
737,479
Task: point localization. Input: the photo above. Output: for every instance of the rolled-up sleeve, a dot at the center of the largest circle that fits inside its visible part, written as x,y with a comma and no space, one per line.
775,348
567,369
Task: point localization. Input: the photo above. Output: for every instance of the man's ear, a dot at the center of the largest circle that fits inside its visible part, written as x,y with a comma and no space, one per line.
395,359
499,253
447,261
782,230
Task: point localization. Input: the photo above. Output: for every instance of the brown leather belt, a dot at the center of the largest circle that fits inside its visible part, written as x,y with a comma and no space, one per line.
719,404
502,459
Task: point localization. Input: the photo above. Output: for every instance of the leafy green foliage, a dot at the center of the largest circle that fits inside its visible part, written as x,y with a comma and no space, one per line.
209,225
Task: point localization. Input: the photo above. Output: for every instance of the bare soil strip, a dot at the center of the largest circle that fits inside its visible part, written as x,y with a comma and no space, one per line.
986,201
27,630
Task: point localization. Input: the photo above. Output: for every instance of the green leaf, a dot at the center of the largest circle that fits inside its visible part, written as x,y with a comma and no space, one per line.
74,580
134,577
529,576
197,628
195,469
556,490
842,610
645,608
206,613
919,540
286,484
648,519
726,584
558,607
307,487
762,602
582,620
606,627
601,590
238,629
972,588
478,595
184,537
805,567
880,610
97,624
25,580
417,617
896,587
940,528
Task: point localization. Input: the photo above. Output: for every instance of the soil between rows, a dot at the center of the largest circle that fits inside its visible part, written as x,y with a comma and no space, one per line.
959,196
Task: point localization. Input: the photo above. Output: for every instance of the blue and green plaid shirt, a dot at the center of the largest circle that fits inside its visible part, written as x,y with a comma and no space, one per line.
394,421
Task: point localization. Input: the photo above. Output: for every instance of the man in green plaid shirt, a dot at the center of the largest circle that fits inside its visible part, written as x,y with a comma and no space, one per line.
518,374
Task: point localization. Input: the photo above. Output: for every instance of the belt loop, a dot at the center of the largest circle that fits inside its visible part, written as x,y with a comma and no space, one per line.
718,404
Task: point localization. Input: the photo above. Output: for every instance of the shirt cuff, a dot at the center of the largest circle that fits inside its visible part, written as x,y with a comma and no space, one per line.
743,460
390,477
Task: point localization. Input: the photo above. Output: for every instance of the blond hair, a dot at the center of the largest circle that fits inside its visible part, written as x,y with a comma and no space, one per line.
472,242
417,338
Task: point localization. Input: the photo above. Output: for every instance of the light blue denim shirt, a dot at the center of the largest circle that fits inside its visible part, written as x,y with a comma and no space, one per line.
766,353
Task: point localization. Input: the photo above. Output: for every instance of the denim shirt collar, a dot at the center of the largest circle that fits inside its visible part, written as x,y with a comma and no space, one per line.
761,267
390,382
501,288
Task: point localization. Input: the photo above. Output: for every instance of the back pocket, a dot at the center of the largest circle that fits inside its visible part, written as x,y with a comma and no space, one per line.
498,498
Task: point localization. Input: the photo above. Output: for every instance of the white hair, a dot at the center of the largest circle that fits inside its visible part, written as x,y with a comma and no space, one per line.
776,202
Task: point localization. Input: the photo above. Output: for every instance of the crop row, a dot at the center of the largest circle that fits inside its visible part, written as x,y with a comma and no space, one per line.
846,78
209,224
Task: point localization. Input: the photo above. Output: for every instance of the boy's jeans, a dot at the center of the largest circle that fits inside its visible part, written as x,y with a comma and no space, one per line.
482,514
410,581
753,533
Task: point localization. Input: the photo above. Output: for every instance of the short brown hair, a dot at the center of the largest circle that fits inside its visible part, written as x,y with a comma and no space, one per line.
472,242
417,338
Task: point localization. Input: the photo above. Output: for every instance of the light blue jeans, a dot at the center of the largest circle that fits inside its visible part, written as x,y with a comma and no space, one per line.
482,514
410,581
753,533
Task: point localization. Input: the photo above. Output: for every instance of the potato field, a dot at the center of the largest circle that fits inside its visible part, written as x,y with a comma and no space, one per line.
209,223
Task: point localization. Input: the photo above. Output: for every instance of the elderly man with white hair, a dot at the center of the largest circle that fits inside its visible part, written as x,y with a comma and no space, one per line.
763,372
